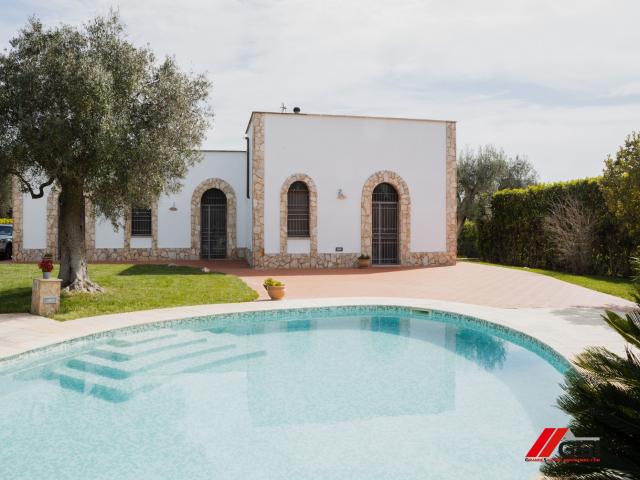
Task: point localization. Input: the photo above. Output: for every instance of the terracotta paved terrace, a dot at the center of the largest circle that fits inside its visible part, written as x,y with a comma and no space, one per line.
465,282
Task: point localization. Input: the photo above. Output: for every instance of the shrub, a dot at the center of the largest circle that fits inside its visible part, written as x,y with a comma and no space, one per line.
6,220
270,282
602,394
621,180
570,227
468,240
514,232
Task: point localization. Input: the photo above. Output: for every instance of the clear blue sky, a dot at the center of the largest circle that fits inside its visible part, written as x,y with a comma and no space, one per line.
557,81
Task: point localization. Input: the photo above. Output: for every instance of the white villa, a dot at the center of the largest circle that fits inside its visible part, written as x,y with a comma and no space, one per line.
309,191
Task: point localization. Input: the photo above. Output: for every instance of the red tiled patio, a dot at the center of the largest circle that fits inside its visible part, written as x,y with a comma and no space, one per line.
465,282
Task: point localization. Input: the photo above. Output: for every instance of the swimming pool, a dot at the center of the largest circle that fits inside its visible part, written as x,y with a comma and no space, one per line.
334,393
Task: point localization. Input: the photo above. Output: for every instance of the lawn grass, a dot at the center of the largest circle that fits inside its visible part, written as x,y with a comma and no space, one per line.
128,288
619,287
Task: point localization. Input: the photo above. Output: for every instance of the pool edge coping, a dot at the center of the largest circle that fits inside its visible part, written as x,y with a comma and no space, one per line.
493,318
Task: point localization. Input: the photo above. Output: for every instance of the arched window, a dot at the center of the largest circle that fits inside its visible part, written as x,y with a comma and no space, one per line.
298,210
385,192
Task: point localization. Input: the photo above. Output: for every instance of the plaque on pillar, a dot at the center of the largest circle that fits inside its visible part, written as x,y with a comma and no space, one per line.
45,296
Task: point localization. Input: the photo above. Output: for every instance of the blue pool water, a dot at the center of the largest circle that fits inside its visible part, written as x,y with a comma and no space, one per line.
356,393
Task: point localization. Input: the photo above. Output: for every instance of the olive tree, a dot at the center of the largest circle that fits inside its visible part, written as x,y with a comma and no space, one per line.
102,120
5,196
482,172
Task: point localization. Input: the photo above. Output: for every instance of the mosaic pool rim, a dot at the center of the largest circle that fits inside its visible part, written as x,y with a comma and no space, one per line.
55,350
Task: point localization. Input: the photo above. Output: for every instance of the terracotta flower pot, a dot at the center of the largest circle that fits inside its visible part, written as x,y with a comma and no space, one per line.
364,262
276,293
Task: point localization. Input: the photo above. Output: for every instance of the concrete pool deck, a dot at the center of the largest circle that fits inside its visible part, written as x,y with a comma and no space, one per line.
566,317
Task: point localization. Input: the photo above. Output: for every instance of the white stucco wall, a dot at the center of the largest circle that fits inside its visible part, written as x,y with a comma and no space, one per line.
35,221
174,227
341,153
107,236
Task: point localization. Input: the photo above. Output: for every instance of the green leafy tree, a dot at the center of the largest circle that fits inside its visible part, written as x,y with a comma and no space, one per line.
603,396
101,119
621,184
484,171
5,196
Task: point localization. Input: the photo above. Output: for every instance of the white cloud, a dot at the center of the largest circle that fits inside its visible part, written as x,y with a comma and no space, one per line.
556,81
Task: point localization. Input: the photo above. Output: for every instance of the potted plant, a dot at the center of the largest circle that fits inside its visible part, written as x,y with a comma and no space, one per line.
46,265
364,260
274,288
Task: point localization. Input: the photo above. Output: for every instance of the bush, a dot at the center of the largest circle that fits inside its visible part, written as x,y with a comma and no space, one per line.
621,180
6,220
602,395
468,240
514,233
570,229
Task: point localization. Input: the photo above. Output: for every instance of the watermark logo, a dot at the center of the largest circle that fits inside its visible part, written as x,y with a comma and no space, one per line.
566,447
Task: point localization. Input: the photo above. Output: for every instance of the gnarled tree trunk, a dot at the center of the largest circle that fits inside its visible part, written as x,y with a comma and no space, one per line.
71,235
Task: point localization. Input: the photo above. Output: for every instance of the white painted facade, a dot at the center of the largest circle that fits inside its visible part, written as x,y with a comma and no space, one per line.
338,153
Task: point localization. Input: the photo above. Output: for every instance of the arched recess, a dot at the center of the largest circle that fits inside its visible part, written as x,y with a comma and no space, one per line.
313,212
366,240
196,200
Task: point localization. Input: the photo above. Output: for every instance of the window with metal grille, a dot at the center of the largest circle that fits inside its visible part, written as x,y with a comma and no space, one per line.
140,222
385,192
298,210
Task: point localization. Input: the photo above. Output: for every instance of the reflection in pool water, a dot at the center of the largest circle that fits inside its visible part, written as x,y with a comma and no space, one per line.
341,394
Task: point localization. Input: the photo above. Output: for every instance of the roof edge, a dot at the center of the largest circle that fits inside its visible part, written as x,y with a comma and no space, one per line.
334,115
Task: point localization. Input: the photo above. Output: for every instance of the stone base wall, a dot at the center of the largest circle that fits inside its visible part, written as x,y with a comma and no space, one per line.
431,259
349,260
31,255
132,254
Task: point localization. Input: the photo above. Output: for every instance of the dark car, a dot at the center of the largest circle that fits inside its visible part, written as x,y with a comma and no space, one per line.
6,240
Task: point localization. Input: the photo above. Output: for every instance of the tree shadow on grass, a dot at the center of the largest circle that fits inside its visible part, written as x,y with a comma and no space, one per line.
16,300
164,270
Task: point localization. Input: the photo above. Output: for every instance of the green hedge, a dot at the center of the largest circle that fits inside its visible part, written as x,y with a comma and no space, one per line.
6,220
468,240
513,234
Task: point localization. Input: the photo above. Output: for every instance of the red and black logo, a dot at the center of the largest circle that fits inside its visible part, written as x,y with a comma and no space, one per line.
565,445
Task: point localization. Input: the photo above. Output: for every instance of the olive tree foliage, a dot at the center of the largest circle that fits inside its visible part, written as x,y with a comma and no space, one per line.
484,171
621,185
5,196
102,120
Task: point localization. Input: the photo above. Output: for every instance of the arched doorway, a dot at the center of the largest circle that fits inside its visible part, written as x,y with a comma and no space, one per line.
213,224
385,225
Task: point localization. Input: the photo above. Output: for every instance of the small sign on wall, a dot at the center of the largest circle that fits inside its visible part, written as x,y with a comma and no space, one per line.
338,249
50,300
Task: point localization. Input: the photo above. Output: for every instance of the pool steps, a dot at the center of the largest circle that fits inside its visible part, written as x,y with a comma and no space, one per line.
110,371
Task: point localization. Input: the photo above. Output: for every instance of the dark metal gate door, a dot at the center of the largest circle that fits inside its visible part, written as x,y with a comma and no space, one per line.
213,224
385,226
